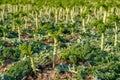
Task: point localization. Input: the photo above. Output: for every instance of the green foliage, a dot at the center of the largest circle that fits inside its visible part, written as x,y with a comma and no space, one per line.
103,64
2,61
73,58
39,47
77,52
11,52
25,49
101,27
2,42
96,57
52,29
79,74
113,18
62,68
97,60
110,72
4,77
12,35
2,31
19,70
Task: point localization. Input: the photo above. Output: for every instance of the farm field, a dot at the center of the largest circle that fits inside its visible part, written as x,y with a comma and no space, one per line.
59,39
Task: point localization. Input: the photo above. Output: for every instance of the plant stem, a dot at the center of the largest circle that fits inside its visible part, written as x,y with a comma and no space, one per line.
36,20
83,24
102,41
88,19
13,25
67,14
72,12
32,65
19,34
56,16
35,36
2,15
25,22
4,38
104,17
55,51
60,14
116,36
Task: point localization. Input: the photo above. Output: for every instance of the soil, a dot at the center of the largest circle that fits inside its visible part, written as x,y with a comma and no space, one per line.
50,74
27,37
7,44
6,67
48,41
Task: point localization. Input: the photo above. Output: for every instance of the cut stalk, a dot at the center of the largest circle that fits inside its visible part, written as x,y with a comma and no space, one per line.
60,14
32,65
25,22
95,12
56,16
67,14
116,36
2,14
88,19
55,52
19,34
104,17
102,41
35,36
83,24
4,33
4,38
36,20
72,16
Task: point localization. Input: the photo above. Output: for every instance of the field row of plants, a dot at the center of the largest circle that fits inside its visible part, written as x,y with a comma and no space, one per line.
59,39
